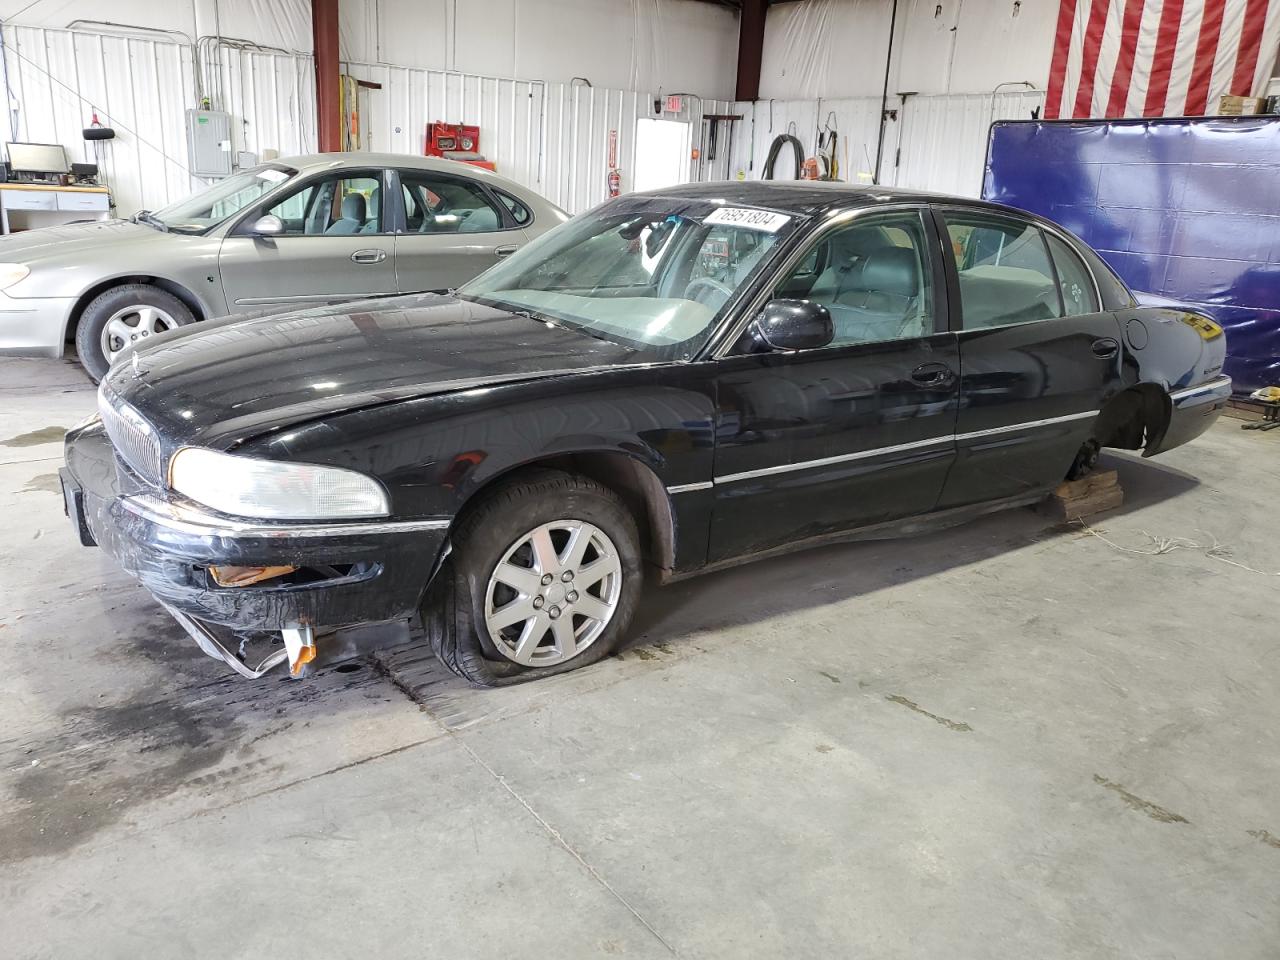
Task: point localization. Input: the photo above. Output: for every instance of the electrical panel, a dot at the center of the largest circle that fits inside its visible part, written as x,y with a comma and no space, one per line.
209,143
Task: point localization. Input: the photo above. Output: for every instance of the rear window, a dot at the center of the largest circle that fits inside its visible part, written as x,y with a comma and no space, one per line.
519,212
1115,295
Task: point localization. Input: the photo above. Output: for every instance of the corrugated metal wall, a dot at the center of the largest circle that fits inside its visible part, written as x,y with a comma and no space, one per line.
935,143
271,98
579,122
944,138
141,88
551,137
508,112
855,120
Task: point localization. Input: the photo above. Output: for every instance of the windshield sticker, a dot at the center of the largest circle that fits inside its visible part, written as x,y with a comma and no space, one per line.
748,219
275,176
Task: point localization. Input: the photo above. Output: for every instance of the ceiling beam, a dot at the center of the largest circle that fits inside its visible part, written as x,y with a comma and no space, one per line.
324,33
750,48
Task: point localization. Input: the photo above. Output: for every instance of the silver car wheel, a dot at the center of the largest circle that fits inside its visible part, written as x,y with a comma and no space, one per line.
126,328
553,593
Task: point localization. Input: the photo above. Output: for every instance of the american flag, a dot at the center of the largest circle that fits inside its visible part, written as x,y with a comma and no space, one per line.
1159,58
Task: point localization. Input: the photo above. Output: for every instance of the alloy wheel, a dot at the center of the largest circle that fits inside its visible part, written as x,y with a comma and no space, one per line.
553,593
130,326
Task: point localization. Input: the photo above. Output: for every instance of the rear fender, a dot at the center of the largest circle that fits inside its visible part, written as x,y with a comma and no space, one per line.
1171,347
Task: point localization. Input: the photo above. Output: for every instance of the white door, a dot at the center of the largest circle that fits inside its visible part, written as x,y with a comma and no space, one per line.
662,153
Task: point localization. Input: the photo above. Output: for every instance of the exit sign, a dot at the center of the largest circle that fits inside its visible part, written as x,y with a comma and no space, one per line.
674,104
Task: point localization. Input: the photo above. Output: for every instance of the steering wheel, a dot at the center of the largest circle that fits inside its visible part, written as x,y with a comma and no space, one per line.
695,288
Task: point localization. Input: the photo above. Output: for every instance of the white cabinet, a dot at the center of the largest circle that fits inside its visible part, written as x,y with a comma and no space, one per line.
82,201
29,200
27,207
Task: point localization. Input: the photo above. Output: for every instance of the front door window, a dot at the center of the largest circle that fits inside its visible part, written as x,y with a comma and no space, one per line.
873,276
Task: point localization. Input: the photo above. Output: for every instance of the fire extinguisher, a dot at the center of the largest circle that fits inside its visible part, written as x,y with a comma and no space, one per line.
615,182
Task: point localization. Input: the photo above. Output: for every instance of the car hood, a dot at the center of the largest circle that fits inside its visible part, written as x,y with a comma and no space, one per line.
222,382
28,246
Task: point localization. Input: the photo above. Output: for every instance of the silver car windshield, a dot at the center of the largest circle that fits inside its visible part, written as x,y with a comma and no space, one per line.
208,208
647,273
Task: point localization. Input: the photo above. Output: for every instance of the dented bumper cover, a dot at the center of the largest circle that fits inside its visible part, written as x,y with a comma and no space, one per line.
373,570
1192,411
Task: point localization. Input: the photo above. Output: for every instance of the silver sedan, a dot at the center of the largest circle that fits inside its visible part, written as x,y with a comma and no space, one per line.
292,233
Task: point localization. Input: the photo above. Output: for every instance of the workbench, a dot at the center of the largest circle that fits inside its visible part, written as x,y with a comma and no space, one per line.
27,205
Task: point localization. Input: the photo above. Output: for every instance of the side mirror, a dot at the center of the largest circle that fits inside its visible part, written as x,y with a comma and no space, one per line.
794,325
267,226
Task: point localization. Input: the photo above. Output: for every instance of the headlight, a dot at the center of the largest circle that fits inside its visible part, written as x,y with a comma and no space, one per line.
11,273
273,489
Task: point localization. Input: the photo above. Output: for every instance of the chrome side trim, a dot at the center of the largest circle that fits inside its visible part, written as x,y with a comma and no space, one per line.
1213,386
827,461
195,522
690,487
901,447
1027,425
299,298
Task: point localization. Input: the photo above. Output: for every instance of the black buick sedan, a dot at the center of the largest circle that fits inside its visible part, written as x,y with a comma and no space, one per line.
674,382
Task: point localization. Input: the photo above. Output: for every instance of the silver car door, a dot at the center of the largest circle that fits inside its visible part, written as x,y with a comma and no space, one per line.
333,246
453,230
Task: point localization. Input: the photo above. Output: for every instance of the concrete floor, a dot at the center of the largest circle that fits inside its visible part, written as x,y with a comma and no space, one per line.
1005,740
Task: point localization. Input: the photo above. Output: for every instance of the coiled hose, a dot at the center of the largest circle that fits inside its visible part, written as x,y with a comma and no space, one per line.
776,147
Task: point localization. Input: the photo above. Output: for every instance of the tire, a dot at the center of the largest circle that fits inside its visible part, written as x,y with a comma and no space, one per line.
1086,460
455,606
131,305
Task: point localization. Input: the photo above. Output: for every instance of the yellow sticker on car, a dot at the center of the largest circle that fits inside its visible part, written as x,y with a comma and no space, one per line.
1207,329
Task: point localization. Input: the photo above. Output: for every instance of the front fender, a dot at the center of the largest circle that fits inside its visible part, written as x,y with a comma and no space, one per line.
434,453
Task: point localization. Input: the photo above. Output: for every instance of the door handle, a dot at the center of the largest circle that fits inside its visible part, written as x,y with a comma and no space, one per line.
933,374
1106,348
506,251
369,256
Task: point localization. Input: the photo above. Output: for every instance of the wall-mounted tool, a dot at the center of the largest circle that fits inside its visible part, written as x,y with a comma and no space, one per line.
711,135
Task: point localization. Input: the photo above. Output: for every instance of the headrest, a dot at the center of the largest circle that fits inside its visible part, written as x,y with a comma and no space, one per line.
375,198
891,270
353,206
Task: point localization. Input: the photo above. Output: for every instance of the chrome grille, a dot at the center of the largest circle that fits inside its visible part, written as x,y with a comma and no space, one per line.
134,439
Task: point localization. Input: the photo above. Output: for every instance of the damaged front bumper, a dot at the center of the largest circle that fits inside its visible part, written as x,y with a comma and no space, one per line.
338,573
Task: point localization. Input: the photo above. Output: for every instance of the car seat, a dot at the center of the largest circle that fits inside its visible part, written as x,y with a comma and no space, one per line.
482,220
878,297
353,216
374,205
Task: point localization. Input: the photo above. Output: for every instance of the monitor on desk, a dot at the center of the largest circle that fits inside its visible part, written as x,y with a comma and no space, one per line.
38,158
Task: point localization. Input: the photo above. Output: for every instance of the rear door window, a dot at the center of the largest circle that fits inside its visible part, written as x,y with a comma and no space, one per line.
1004,270
1078,293
442,204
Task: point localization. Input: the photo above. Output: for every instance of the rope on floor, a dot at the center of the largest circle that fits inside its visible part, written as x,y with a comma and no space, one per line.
1162,545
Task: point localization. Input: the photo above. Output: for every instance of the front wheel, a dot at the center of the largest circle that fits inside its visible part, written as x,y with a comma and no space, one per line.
544,577
123,318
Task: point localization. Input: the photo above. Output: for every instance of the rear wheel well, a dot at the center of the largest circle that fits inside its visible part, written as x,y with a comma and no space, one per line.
639,487
160,283
1135,418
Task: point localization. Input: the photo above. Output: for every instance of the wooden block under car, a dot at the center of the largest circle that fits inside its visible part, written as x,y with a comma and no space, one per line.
1081,498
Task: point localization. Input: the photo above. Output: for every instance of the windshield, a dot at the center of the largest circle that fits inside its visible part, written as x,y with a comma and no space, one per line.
208,208
645,272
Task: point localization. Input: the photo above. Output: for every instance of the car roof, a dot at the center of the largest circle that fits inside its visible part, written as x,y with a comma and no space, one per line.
310,162
810,197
